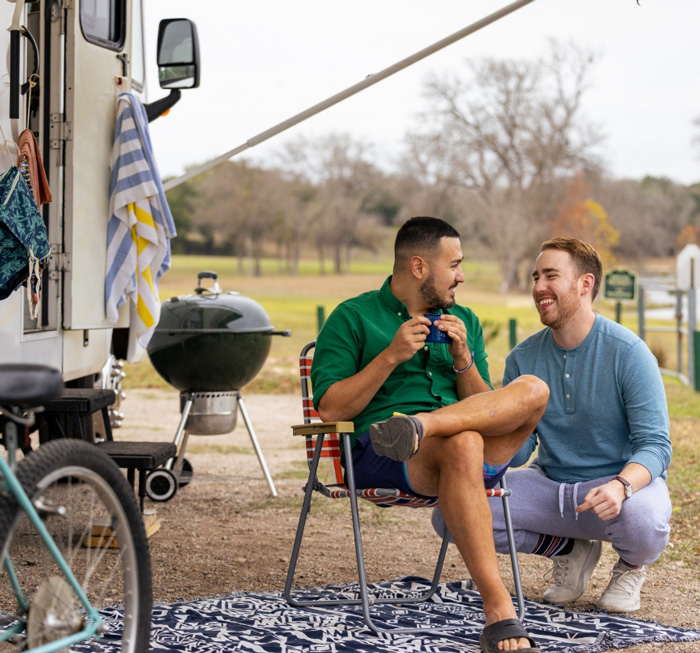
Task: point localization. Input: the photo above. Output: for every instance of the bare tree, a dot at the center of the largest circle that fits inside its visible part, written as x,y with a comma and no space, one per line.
211,218
240,208
263,200
508,134
650,214
340,169
299,217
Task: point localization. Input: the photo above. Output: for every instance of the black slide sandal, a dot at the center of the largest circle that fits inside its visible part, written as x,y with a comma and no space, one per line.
505,629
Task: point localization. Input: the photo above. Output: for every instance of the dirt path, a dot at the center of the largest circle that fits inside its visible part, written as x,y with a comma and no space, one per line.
224,532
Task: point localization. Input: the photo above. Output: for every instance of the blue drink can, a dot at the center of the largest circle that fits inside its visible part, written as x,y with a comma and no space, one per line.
435,334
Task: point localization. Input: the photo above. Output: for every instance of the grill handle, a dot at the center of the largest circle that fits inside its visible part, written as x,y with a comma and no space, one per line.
286,333
207,274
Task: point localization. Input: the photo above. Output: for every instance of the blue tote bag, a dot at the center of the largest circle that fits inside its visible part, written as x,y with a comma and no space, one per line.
24,243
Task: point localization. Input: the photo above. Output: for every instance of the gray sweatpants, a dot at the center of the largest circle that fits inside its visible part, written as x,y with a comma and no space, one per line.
540,505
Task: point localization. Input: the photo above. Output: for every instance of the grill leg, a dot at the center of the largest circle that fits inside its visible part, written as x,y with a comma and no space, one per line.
180,433
256,446
177,466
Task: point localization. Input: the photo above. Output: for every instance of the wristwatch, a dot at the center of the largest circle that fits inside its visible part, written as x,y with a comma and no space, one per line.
626,484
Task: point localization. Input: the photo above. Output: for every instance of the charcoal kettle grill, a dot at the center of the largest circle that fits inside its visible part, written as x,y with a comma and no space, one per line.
208,346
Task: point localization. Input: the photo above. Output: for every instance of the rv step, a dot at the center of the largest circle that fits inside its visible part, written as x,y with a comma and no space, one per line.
68,415
144,456
139,455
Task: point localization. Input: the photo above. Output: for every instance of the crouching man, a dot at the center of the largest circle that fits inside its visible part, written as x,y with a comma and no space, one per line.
604,444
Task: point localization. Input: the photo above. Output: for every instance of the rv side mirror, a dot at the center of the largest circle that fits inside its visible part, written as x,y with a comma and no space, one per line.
178,54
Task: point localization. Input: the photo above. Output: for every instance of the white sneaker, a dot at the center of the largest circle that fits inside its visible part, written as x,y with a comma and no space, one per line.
572,571
624,589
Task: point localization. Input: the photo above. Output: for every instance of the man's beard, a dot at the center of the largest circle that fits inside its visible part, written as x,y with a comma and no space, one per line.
566,308
429,294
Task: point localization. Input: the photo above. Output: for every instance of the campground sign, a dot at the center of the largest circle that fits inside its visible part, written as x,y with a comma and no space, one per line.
619,284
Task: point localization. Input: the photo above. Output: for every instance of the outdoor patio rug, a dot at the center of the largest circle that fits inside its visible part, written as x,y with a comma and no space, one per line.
265,622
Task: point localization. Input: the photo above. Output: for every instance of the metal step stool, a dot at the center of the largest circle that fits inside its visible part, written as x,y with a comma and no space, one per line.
146,457
71,416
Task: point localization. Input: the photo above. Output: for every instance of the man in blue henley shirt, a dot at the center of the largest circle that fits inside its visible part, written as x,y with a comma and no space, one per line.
604,444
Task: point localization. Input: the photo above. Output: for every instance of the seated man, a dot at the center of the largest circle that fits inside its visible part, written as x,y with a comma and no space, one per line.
604,444
455,434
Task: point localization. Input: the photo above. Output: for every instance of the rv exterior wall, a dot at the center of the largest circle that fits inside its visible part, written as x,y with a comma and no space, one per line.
94,79
18,347
78,114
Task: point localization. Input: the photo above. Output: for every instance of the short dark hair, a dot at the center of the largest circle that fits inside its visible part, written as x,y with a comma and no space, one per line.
584,255
421,234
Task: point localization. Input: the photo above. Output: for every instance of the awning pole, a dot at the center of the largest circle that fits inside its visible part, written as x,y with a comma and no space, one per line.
352,90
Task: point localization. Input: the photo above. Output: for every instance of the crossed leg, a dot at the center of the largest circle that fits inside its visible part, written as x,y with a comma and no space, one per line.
505,418
488,427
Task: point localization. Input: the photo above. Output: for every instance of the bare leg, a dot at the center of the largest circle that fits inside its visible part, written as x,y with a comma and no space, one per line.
452,469
489,426
491,413
504,417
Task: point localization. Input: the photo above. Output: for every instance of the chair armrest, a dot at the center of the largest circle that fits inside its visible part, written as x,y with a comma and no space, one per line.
323,427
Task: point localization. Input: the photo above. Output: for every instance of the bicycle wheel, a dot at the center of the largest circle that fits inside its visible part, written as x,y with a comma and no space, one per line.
91,512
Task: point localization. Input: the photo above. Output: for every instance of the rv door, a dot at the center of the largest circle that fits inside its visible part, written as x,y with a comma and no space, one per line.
97,69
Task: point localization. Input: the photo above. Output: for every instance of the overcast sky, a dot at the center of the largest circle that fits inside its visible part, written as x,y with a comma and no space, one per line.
264,61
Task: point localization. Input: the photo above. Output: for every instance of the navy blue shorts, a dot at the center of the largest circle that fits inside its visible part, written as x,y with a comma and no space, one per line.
372,470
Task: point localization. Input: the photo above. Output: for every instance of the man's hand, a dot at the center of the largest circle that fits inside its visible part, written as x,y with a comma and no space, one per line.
605,500
454,327
346,399
409,339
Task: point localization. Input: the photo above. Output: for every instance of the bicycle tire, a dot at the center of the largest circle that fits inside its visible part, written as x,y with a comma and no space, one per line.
99,508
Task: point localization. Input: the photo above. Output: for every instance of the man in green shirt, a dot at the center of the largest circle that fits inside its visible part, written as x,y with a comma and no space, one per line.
456,435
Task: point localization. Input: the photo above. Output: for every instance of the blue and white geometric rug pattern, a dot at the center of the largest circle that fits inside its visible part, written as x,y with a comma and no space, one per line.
264,622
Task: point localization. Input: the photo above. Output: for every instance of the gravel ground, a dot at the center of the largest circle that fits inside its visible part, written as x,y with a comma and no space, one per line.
224,531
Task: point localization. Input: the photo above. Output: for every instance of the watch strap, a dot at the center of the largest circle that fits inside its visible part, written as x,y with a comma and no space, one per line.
626,483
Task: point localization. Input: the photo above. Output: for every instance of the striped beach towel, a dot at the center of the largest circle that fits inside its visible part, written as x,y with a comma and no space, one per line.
140,226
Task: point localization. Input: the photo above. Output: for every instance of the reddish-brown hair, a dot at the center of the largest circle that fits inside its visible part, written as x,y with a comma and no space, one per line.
584,255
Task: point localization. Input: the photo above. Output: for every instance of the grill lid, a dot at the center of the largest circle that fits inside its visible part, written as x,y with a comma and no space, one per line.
209,310
211,341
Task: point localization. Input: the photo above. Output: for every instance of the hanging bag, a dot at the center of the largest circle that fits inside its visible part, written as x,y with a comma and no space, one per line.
24,244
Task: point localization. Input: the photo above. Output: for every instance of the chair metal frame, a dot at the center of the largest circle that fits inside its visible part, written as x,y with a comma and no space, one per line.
322,441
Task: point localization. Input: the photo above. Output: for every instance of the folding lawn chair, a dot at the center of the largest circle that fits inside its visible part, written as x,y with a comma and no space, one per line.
323,441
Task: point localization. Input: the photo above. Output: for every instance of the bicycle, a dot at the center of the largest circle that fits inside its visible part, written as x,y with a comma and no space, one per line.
72,540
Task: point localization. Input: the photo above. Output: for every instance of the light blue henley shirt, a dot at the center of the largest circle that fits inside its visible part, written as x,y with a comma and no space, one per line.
607,404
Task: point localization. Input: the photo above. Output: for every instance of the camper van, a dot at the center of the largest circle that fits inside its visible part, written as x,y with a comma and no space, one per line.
64,62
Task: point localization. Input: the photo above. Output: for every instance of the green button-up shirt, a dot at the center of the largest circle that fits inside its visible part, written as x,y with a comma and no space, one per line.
361,328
